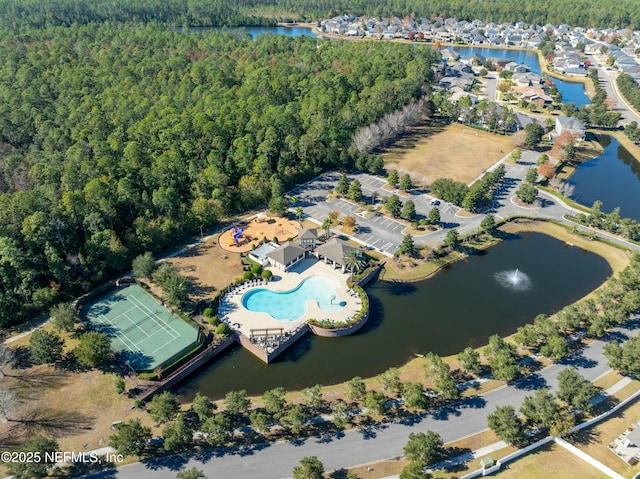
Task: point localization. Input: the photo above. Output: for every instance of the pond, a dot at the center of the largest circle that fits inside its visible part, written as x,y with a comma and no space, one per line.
613,178
460,306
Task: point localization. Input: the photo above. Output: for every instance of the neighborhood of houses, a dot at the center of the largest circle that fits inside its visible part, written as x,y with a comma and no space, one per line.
625,48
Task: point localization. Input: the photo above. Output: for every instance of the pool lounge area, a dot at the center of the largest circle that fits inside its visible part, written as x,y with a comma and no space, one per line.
340,304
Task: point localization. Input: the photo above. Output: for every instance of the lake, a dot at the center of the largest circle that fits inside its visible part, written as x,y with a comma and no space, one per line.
460,306
613,178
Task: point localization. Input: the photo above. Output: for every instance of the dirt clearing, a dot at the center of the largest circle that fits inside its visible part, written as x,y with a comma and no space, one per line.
453,151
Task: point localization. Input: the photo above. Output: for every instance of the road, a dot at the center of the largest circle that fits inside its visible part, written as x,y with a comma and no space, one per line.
272,461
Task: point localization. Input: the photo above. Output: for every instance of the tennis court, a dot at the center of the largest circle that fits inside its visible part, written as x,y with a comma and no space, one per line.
142,331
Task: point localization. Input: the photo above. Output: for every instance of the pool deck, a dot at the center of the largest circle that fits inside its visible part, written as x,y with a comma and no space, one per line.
243,320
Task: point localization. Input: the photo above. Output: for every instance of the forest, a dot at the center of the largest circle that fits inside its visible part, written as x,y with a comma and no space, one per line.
584,13
117,139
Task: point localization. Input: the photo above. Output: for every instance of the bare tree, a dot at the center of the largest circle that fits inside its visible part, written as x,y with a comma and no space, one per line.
7,359
8,404
387,128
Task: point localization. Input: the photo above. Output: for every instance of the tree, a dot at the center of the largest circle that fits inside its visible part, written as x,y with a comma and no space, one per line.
452,239
339,413
259,421
143,265
413,395
130,438
313,396
424,448
527,193
390,380
408,211
237,402
177,435
310,468
575,390
295,417
375,401
470,360
547,169
488,224
7,359
407,247
93,349
405,182
342,187
625,358
164,407
299,213
8,404
45,347
393,206
541,408
507,425
193,473
434,216
46,448
349,222
217,429
63,317
414,470
274,401
355,191
534,134
356,389
202,406
392,179
531,176
440,374
502,359
326,226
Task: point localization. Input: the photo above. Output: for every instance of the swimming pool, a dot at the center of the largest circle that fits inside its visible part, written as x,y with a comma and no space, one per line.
291,305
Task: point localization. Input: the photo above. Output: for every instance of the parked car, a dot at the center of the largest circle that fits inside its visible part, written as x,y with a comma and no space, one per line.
435,202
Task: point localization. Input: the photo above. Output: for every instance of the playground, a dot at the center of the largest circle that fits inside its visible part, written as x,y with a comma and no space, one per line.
142,331
242,237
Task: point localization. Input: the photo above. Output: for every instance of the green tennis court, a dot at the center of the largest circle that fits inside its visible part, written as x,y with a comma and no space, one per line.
142,331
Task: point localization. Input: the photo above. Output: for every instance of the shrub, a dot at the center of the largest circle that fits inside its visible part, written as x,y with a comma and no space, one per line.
214,321
256,269
276,240
223,329
247,275
267,274
208,312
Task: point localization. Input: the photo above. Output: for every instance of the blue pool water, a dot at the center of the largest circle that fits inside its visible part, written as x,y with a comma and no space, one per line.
291,305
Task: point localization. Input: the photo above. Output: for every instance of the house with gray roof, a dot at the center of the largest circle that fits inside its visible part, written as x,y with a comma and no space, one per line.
286,255
570,124
308,237
334,251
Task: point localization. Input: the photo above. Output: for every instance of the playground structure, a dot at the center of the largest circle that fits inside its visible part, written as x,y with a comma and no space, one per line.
236,234
244,237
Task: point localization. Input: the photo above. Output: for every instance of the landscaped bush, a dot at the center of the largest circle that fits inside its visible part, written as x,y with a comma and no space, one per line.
247,275
223,329
256,269
267,274
214,321
208,312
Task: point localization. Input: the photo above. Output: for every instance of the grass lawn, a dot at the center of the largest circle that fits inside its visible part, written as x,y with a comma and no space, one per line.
550,460
208,267
454,151
594,440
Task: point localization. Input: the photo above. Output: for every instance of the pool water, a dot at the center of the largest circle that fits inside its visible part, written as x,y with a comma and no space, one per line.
291,305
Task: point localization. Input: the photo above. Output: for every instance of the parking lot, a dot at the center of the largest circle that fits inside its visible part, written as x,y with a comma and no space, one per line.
376,231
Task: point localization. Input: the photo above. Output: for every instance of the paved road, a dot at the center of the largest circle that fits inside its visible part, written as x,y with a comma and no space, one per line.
369,445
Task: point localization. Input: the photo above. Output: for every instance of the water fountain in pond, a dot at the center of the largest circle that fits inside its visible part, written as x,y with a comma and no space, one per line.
515,280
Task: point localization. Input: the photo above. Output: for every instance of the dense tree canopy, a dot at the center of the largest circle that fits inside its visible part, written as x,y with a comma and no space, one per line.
118,139
622,13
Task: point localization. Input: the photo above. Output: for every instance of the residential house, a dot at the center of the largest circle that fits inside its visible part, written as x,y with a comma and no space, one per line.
570,124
